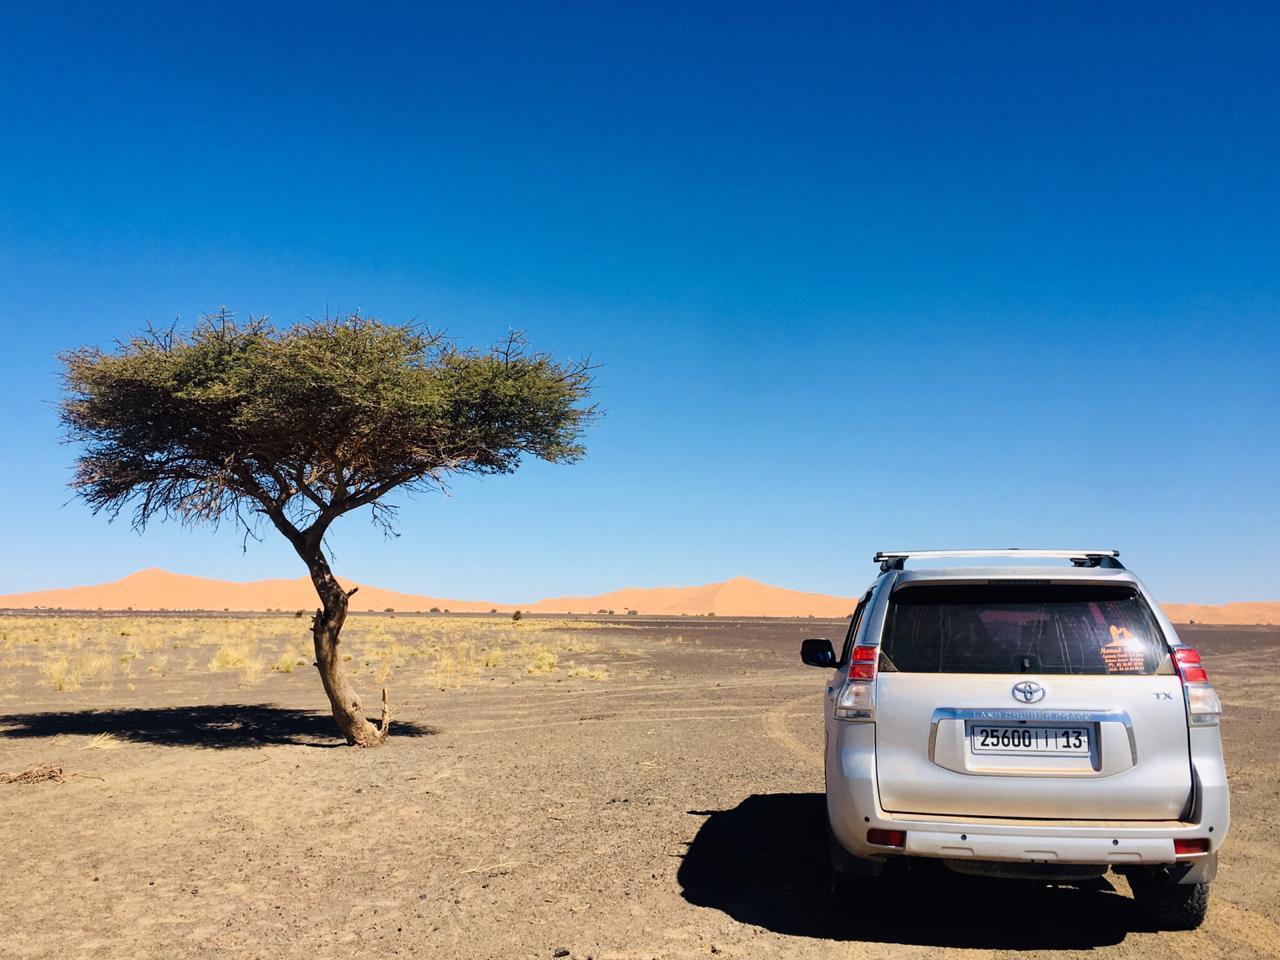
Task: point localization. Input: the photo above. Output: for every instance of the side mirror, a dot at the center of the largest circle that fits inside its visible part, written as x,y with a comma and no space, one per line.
818,653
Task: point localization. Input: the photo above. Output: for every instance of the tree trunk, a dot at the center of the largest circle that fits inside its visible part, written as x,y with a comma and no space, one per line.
325,629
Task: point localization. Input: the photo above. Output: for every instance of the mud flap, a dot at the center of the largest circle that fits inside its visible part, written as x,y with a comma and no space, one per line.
847,864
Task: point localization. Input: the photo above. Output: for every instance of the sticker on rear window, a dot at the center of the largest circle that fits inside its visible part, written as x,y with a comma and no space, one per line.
1125,653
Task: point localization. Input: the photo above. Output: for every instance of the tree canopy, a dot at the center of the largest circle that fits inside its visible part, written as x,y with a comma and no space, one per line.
303,424
309,422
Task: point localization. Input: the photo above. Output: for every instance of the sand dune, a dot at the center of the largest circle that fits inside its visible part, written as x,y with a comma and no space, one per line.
162,590
1226,613
739,597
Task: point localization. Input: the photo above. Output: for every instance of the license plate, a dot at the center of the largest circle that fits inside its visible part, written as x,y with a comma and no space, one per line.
1022,738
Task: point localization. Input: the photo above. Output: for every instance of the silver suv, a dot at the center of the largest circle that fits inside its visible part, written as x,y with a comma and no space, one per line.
1040,722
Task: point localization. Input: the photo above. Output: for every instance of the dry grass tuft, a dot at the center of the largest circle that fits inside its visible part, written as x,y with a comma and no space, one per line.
449,664
252,671
229,657
542,661
62,673
103,741
591,673
97,666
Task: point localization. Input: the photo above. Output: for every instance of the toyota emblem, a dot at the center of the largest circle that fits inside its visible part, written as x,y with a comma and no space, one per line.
1028,691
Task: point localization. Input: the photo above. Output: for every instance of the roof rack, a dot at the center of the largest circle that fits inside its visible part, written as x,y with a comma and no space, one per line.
897,559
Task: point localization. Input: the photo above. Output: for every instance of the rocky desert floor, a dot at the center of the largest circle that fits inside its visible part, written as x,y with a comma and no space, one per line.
615,788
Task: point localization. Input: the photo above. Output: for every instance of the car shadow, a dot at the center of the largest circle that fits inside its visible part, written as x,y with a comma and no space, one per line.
764,862
219,726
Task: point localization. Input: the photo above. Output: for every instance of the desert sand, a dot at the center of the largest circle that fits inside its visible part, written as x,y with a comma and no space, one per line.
740,597
661,800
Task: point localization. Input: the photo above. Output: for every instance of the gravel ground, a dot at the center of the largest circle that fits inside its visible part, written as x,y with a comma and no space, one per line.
673,810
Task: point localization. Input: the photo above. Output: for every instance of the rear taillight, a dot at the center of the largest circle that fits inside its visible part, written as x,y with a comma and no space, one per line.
857,698
887,838
862,663
1203,705
1190,668
1191,846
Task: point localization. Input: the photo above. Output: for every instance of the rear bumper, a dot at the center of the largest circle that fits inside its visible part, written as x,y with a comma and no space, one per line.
1059,847
853,809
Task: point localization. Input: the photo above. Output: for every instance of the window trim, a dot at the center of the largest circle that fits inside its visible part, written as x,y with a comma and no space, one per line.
855,621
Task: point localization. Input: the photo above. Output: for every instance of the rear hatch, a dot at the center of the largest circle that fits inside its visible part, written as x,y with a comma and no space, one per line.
1032,699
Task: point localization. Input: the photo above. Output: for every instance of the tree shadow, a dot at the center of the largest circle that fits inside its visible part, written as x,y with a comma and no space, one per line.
217,726
764,862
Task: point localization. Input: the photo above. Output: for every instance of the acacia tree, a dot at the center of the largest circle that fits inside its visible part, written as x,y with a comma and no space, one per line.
247,423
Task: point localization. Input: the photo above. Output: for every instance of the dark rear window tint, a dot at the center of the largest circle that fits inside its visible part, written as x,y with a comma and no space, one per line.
1032,629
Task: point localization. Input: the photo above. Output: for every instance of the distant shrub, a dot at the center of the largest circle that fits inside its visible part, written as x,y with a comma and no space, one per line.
632,613
434,610
517,615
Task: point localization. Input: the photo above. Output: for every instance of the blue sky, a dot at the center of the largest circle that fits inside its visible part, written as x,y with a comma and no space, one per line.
857,278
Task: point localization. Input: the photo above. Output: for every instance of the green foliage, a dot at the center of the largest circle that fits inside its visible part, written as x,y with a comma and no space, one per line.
306,423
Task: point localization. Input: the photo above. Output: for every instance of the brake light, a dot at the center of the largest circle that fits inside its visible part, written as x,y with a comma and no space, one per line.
887,838
1190,668
1191,846
862,663
1203,705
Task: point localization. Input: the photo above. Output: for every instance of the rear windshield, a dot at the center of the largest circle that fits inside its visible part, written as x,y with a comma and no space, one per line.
1015,629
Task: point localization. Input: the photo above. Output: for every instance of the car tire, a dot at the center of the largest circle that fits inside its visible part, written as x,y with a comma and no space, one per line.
1173,906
